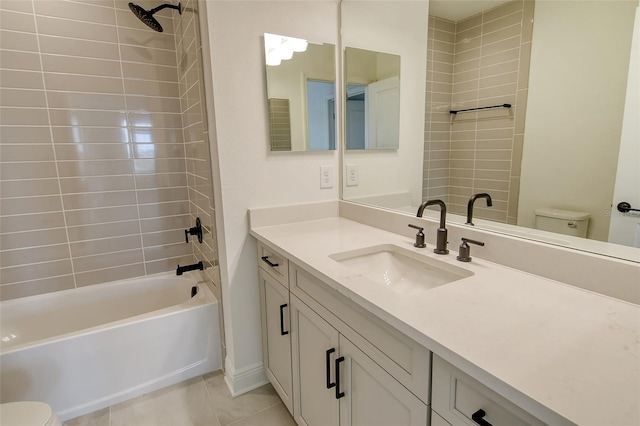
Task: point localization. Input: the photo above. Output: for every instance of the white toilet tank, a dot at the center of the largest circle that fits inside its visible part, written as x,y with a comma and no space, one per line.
562,221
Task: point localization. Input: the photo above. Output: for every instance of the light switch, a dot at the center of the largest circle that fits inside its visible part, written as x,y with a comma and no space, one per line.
352,175
326,176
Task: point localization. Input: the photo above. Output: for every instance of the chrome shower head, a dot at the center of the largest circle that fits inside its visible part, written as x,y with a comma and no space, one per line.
146,16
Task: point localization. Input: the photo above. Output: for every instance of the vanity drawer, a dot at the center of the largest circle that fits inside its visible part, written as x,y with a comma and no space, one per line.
458,398
403,358
273,263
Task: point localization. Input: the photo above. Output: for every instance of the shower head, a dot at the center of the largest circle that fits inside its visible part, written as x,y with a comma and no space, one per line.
146,16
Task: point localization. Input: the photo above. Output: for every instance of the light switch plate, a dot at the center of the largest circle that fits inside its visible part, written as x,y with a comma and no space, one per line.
352,175
326,176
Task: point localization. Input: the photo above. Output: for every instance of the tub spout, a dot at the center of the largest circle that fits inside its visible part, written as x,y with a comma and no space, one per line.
196,266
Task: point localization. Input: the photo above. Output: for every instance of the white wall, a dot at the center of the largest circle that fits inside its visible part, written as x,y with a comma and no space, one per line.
250,175
400,28
579,64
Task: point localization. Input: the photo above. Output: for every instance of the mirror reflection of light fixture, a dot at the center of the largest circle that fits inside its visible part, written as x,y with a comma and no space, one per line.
279,48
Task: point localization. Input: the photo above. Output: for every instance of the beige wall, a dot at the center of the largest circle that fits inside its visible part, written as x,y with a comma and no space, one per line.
94,182
580,61
481,61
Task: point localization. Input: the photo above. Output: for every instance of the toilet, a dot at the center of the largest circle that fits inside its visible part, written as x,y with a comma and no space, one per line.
27,413
562,221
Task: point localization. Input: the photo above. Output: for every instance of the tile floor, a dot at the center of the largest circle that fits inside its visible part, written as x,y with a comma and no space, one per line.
203,400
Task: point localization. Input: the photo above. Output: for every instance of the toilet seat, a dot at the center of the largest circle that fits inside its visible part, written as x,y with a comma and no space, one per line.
27,413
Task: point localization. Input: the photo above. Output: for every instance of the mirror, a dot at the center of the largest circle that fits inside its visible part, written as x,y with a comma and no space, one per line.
556,147
301,94
397,29
372,99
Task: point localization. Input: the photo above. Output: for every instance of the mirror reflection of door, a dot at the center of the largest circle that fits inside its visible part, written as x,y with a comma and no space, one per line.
372,113
383,113
356,125
321,115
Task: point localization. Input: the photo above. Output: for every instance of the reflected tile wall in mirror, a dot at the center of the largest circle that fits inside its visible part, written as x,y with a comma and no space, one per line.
478,61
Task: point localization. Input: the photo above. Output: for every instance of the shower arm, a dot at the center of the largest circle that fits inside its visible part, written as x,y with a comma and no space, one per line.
164,6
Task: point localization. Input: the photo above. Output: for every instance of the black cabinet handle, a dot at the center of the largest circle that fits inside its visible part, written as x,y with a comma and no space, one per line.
338,393
478,417
282,331
270,263
328,357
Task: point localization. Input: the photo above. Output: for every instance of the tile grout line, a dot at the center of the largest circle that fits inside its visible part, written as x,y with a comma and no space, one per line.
129,142
211,404
258,412
53,146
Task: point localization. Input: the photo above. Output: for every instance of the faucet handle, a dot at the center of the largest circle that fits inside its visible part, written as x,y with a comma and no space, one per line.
419,236
465,251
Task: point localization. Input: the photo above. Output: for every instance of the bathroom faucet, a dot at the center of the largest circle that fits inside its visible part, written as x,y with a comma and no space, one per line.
470,205
441,240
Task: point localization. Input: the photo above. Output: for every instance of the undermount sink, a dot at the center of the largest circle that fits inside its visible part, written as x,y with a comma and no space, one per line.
399,268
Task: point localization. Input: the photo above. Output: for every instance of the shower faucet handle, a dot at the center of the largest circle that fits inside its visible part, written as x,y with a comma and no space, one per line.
196,230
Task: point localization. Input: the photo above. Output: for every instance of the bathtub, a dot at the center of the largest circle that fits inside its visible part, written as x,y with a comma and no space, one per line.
84,349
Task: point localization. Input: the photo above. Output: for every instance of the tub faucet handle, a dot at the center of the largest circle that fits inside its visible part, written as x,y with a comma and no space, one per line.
196,230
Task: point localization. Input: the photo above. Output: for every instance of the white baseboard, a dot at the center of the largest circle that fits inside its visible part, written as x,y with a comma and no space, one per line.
245,379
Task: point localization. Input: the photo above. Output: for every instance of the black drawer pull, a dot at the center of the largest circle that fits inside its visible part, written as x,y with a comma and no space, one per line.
338,393
328,356
282,331
478,417
270,263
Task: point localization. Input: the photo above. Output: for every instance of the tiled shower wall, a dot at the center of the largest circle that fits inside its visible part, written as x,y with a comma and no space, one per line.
97,183
196,138
479,61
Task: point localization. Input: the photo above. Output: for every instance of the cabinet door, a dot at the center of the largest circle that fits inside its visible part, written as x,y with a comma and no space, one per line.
372,397
276,336
315,349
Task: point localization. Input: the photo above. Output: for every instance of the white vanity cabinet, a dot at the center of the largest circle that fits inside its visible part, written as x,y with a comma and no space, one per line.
338,364
276,334
338,384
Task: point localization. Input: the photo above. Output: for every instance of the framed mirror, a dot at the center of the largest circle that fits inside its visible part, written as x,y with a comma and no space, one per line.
301,94
563,67
372,99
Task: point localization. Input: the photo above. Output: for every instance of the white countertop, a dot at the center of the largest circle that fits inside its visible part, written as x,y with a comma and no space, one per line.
559,352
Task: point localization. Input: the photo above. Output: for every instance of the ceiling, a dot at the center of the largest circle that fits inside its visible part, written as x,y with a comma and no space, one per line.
456,10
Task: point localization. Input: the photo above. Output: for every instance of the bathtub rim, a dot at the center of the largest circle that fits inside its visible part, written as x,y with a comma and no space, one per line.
202,298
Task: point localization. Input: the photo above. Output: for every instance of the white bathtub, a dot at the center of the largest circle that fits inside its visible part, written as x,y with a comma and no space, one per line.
84,349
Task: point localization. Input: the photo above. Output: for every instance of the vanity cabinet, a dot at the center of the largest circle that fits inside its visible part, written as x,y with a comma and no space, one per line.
338,384
338,364
460,400
276,333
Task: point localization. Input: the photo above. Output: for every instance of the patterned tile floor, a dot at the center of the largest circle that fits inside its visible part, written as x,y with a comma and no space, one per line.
204,400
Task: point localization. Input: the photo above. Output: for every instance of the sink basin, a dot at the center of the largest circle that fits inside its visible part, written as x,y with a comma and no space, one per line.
398,268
